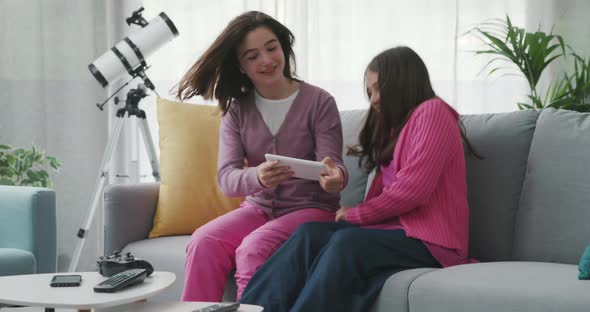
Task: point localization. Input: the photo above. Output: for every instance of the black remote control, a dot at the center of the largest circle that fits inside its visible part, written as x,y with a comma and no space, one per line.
121,280
221,307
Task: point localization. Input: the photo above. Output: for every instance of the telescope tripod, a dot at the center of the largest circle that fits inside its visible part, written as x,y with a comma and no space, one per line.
131,108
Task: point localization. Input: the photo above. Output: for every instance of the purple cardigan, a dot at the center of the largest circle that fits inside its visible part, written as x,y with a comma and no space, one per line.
311,130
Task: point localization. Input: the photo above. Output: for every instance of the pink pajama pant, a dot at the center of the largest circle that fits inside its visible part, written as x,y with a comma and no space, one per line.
242,240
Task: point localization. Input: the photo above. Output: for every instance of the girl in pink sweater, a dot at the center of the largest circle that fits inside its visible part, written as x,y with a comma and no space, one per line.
415,214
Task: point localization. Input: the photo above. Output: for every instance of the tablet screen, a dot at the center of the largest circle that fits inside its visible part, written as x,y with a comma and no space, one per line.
302,168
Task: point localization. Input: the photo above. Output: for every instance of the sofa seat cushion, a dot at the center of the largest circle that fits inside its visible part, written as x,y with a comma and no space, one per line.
16,261
394,295
169,254
164,254
501,286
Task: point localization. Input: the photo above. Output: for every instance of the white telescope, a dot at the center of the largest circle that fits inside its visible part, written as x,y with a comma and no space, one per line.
126,56
130,53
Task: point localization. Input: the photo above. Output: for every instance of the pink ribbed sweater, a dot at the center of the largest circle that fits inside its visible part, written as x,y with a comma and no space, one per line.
428,196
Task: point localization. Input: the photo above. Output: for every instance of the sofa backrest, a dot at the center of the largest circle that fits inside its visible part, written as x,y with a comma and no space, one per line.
354,192
494,183
555,203
529,197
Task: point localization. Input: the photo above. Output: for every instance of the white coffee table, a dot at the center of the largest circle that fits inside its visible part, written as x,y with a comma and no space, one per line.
34,290
147,307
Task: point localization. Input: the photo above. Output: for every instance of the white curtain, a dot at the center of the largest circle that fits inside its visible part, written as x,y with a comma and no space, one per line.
335,39
48,99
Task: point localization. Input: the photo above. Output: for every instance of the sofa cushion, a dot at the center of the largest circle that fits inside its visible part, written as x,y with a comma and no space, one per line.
189,195
501,286
394,295
16,261
551,221
354,192
169,254
164,254
494,183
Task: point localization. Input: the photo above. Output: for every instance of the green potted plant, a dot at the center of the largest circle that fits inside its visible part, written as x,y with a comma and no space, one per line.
26,166
531,53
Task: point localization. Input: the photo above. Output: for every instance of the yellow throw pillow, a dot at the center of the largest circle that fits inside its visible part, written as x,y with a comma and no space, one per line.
189,195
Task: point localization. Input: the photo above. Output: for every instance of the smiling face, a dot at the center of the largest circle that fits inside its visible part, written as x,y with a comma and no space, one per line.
372,80
261,58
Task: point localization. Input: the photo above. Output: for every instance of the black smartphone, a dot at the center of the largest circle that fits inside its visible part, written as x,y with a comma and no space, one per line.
66,280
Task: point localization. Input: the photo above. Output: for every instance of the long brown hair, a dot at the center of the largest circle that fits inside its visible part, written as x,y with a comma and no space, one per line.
217,73
404,84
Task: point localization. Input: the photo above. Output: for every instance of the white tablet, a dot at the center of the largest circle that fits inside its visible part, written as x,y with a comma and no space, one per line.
304,169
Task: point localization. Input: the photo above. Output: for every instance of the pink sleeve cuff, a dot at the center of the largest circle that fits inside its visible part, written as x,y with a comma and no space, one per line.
353,216
254,184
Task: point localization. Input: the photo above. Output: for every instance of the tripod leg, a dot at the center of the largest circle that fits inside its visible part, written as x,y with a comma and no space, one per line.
98,189
151,150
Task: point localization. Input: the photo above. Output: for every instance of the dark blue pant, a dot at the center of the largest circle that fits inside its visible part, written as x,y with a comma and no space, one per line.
333,267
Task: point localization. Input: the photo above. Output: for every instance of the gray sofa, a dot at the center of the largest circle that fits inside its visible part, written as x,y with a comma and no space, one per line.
529,200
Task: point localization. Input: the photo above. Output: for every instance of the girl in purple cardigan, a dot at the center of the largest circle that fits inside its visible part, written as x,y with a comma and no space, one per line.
415,214
249,69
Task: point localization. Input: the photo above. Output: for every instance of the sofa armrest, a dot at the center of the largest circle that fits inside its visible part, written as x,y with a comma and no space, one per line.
129,211
29,222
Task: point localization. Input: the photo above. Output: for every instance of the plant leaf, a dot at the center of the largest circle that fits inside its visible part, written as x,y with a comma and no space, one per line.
6,181
7,171
531,53
26,166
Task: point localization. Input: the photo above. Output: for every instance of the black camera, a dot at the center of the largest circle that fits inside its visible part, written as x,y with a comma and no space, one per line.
115,263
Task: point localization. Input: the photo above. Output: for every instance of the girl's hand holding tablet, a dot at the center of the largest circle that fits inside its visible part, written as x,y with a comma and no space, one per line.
271,173
333,179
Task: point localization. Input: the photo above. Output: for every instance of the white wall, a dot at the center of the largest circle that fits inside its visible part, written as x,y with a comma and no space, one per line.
571,21
567,18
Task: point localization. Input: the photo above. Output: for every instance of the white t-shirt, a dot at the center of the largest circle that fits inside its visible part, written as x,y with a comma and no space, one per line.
274,111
